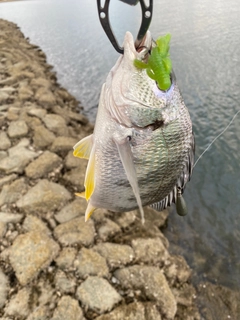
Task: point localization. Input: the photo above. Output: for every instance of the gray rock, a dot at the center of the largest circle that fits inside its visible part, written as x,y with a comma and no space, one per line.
116,255
126,219
89,262
71,162
108,229
37,112
153,285
43,165
32,223
177,270
45,196
63,283
3,154
157,218
133,311
97,294
19,157
17,129
68,309
3,229
75,231
151,251
66,258
6,217
40,82
12,192
19,304
3,96
45,97
78,117
5,143
56,124
43,137
7,179
72,210
24,93
4,287
40,313
76,176
30,253
62,145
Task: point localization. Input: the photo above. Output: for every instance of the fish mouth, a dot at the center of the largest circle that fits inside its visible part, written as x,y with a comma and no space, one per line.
132,52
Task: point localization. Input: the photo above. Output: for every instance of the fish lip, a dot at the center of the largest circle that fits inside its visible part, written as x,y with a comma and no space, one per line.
129,45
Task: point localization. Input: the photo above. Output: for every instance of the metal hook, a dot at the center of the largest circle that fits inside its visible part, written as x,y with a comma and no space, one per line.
104,19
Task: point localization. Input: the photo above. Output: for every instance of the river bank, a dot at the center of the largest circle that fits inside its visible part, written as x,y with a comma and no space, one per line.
53,265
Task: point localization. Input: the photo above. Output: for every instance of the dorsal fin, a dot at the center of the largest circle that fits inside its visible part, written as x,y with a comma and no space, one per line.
83,148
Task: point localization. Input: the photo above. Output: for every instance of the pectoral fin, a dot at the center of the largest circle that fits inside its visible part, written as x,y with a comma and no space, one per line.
83,148
126,157
89,182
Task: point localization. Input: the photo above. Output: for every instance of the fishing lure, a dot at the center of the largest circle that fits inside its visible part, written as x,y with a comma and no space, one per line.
159,65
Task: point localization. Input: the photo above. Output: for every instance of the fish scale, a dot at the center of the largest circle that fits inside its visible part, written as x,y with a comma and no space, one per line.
142,148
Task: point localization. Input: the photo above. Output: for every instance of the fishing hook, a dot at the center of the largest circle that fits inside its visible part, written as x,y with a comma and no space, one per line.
103,13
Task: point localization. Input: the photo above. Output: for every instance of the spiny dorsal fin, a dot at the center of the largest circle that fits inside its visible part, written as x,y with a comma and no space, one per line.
83,148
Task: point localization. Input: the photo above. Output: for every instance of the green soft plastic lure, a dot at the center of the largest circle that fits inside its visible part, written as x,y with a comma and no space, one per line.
159,65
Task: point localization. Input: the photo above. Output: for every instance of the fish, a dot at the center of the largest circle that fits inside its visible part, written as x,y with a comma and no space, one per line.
141,151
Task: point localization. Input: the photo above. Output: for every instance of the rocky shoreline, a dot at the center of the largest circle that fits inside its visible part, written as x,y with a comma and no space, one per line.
53,265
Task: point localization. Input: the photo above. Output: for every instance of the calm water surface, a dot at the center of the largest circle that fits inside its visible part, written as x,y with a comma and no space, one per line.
205,50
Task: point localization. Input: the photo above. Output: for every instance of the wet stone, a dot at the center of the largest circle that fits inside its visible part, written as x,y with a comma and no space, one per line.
30,253
89,262
108,229
116,255
153,285
72,210
150,251
5,143
45,196
18,305
68,309
11,193
177,270
75,231
63,283
17,129
97,294
43,165
157,218
66,258
43,137
133,311
4,287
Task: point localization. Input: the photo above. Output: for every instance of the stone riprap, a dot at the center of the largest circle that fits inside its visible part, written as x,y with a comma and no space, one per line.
53,265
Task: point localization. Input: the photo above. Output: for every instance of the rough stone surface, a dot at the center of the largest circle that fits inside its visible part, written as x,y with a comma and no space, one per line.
55,123
97,294
66,258
108,229
150,251
40,313
177,270
75,231
64,283
30,253
133,311
12,192
116,255
62,145
18,305
4,287
32,223
37,112
68,309
44,164
43,137
17,129
152,283
43,197
71,162
72,210
7,179
89,262
5,143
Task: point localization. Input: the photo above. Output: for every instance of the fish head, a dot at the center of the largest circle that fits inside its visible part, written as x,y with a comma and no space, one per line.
132,97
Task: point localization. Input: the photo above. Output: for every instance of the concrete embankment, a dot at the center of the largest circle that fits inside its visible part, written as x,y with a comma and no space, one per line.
53,265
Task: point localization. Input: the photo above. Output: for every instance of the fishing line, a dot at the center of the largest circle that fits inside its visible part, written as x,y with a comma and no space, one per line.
218,136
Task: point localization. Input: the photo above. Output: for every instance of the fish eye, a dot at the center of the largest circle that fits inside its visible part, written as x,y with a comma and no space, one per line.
129,138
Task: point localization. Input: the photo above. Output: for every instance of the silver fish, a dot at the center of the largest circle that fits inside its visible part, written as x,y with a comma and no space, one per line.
142,149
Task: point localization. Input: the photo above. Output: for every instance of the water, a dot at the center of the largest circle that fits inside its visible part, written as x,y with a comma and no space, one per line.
205,51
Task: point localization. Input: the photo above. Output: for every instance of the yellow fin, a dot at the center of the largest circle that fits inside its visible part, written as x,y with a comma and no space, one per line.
89,211
81,195
89,182
83,148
